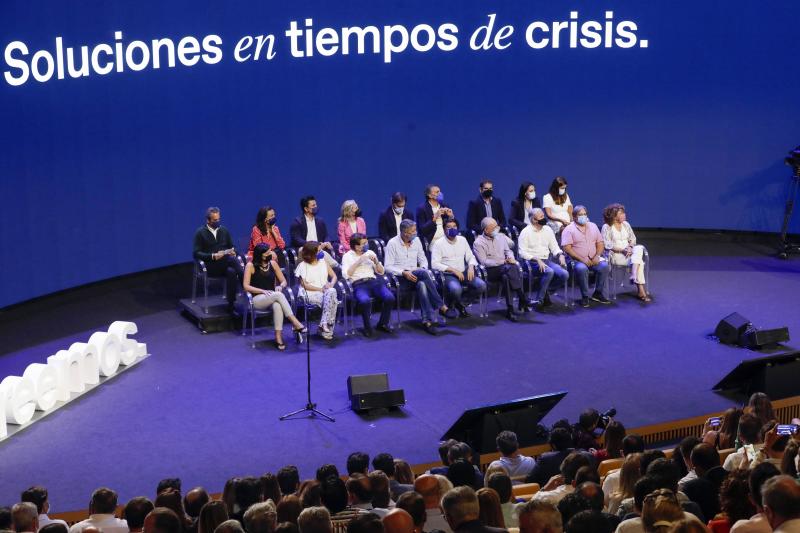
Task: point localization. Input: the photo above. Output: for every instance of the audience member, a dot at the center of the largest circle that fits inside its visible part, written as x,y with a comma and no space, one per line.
774,445
357,463
687,526
211,516
310,493
163,519
549,463
462,512
288,509
539,517
57,527
453,257
359,493
428,487
557,204
761,406
171,499
522,206
288,479
403,473
462,450
309,227
705,489
135,511
491,513
265,231
462,473
612,442
37,495
248,492
288,527
398,521
318,286
260,517
538,246
666,476
444,452
360,265
630,509
325,471
518,465
229,526
629,474
630,444
269,488
781,500
661,509
723,436
334,497
589,522
6,523
582,241
564,483
25,517
413,503
381,496
385,463
748,436
757,523
501,483
213,245
620,244
101,514
432,214
684,449
389,221
584,435
229,496
350,222
734,501
366,523
315,520
485,205
789,461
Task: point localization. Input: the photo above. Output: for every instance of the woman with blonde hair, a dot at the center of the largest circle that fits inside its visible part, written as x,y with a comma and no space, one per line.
350,222
620,244
491,514
629,474
660,510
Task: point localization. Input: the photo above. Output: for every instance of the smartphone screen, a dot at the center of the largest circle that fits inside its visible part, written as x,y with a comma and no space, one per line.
715,421
786,429
750,451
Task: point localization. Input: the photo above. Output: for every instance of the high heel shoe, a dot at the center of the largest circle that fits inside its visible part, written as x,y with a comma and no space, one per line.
298,334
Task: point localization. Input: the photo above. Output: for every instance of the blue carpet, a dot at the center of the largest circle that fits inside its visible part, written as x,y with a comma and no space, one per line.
205,407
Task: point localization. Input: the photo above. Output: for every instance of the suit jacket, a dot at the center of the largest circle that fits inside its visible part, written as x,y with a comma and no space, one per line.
345,232
475,526
425,224
518,217
299,229
704,491
547,465
205,244
396,488
476,211
386,225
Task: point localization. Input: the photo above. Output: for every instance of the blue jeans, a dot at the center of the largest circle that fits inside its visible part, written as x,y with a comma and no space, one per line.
552,270
601,271
374,288
427,294
454,288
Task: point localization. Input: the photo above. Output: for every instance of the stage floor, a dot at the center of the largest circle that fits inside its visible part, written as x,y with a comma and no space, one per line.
205,407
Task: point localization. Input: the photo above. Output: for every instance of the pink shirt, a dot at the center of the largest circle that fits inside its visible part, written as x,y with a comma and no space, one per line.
584,244
345,232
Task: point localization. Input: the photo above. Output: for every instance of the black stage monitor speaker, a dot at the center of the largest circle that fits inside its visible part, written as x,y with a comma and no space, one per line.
371,391
757,338
479,426
731,328
776,375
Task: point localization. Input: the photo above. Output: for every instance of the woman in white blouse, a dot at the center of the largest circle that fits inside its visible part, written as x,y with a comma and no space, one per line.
557,205
620,243
317,285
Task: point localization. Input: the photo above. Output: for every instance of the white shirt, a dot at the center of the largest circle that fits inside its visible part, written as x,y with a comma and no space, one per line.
107,523
45,520
397,220
554,496
311,233
364,270
734,461
517,466
560,211
452,254
316,274
635,525
685,479
756,524
439,225
435,520
538,244
213,231
611,483
400,257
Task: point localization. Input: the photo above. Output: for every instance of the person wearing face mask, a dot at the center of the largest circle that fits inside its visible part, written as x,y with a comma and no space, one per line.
523,205
453,257
493,252
486,205
350,222
620,242
557,205
309,227
538,246
390,219
265,231
360,265
213,245
317,285
264,280
582,241
406,258
432,214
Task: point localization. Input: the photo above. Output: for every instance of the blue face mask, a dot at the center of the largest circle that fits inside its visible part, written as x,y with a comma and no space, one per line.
320,255
583,219
451,233
314,210
440,197
412,237
495,232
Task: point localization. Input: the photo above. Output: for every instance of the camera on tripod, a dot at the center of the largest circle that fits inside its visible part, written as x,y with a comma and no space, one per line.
605,418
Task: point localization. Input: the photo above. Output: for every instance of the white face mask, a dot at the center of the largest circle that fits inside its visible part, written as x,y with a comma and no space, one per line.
562,190
398,210
530,195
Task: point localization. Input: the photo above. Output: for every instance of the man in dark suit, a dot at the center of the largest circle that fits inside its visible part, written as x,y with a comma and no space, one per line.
486,205
704,489
309,227
389,221
385,463
549,463
432,214
462,512
213,245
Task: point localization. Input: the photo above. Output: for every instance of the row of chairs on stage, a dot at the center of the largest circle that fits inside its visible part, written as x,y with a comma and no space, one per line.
346,313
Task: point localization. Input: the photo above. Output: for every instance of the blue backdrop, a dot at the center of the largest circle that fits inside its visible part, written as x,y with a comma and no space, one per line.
107,175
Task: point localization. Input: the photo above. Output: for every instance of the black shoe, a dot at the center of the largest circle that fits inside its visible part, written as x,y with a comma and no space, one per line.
429,329
462,311
526,305
584,302
450,313
368,333
511,315
539,306
597,297
547,302
386,328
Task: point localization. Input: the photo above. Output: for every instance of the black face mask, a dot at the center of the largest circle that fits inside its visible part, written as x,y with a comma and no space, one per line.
272,221
542,222
487,193
214,224
357,213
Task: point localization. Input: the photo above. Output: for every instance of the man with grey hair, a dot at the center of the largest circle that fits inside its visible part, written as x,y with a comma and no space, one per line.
462,511
545,260
260,517
214,246
406,259
315,520
539,517
25,517
781,499
493,252
583,242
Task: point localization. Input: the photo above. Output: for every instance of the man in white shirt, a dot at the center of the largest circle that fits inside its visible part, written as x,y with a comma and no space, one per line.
25,517
453,256
538,246
749,433
101,514
781,496
38,496
404,257
564,483
517,465
360,266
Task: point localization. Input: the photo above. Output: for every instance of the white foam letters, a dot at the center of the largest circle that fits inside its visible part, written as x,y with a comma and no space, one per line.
60,364
20,399
45,384
108,348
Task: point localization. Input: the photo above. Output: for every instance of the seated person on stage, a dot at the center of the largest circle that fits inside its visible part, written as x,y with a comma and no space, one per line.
266,232
492,251
389,221
485,205
350,222
360,265
405,257
557,205
583,242
537,244
452,256
264,280
317,285
432,214
522,206
620,242
310,227
213,245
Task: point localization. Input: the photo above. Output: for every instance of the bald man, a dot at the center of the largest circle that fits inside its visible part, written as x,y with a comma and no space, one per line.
398,521
781,499
428,487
